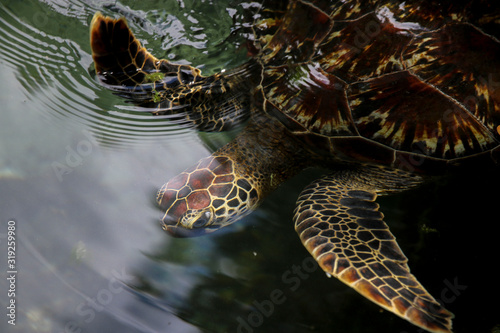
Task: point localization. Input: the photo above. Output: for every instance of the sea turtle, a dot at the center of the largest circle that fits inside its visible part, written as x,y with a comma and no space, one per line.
385,94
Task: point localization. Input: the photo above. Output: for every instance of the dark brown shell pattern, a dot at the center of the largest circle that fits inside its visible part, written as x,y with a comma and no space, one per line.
411,84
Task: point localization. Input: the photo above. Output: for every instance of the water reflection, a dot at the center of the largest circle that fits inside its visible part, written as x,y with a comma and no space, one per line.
91,254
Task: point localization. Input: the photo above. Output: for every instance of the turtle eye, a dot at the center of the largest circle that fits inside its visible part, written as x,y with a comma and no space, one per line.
203,220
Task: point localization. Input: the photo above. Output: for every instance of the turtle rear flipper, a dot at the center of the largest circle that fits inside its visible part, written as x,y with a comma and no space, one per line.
339,223
122,64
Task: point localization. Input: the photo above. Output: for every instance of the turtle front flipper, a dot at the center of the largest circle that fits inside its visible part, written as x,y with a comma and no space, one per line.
123,65
340,224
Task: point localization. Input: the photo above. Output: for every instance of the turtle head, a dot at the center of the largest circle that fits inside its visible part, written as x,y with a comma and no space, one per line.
206,197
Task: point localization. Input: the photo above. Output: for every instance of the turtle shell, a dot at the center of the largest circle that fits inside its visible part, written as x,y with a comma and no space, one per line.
412,84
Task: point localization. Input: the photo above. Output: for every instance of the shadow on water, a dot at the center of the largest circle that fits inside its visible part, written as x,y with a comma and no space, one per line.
78,173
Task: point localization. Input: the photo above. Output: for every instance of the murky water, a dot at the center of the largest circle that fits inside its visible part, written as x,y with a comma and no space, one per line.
79,168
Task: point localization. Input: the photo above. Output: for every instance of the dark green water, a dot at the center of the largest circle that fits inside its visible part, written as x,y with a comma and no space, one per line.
78,173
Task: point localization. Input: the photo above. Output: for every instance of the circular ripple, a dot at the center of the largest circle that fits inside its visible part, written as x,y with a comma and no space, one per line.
50,53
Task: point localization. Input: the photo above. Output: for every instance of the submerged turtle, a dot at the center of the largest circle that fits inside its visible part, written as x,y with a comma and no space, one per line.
385,94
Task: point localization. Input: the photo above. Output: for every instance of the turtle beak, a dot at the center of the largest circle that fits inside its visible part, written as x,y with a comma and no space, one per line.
196,226
170,225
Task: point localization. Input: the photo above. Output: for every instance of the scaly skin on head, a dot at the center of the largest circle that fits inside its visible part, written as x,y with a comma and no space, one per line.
229,184
206,197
